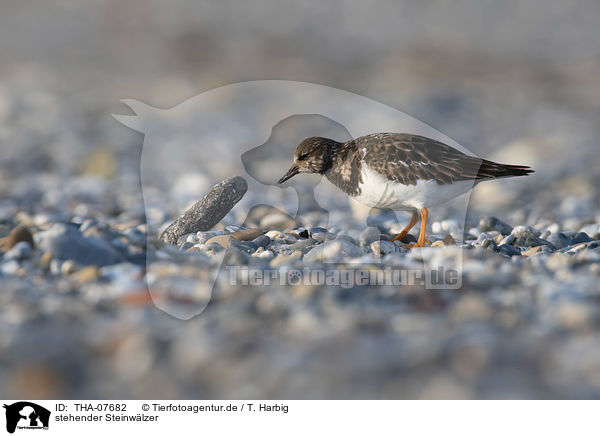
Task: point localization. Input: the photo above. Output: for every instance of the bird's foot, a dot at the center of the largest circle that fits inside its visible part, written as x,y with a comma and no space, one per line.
418,244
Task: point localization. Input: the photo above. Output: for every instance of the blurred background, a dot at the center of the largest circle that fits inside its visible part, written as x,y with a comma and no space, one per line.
511,81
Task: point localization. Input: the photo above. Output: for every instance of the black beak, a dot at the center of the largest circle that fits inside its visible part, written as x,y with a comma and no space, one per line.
290,173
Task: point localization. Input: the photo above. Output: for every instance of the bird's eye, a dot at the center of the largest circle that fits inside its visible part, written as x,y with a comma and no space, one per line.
303,156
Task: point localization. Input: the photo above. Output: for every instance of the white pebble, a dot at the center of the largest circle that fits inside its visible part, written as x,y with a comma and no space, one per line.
21,250
68,267
275,234
525,232
10,267
192,238
383,247
267,254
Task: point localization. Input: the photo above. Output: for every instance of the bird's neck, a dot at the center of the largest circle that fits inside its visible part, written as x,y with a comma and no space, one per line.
329,155
337,153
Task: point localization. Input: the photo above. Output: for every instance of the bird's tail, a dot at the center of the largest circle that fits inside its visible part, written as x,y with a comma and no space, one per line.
493,170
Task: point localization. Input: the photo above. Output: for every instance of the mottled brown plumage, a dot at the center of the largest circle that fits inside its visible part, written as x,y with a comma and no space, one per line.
400,157
406,158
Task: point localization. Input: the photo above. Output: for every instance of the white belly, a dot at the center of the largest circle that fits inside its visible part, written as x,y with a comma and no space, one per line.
377,191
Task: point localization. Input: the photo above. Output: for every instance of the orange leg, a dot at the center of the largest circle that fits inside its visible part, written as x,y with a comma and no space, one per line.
411,224
421,241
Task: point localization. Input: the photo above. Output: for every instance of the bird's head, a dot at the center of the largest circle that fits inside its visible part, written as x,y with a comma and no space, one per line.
313,155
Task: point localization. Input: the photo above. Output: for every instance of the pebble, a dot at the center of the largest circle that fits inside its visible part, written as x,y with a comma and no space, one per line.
559,240
233,228
445,227
580,237
236,257
246,234
591,229
323,236
87,224
537,249
277,221
186,246
532,241
275,234
123,277
267,254
498,238
68,267
22,250
409,239
333,250
87,274
314,230
19,234
491,223
211,209
301,244
383,247
192,238
346,238
222,240
298,233
370,235
507,240
489,244
509,250
484,237
577,248
56,267
45,260
473,233
65,242
285,259
262,241
213,247
136,237
10,267
448,240
245,246
205,236
524,232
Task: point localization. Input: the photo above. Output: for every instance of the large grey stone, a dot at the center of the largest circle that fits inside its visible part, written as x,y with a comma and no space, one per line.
205,214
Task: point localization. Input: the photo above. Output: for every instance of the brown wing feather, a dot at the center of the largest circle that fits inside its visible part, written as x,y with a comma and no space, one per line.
406,158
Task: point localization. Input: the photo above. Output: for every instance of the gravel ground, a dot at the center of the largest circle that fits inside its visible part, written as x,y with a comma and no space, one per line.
95,304
83,282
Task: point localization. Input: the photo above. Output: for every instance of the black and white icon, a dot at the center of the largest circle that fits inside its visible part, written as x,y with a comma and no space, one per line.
26,415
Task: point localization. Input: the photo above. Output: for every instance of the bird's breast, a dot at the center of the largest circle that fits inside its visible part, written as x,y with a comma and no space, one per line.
376,190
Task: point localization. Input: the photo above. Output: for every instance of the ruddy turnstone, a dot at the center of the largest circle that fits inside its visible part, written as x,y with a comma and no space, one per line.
397,171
